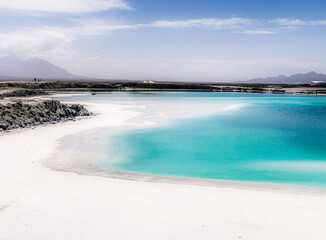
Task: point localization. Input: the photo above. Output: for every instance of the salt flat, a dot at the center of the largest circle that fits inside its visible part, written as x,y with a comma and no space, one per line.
39,203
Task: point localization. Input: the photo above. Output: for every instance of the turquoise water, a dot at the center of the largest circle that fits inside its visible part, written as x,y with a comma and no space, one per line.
267,138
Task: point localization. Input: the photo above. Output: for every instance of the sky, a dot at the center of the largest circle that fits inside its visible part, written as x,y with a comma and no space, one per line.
168,40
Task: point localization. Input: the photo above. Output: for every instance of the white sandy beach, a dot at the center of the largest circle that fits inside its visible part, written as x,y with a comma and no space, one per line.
39,203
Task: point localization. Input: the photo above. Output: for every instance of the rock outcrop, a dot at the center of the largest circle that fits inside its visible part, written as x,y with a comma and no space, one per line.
21,115
23,93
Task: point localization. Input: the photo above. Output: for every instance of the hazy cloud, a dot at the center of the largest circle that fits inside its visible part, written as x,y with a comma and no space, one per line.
297,22
31,42
183,69
45,39
54,44
97,27
262,32
63,6
205,22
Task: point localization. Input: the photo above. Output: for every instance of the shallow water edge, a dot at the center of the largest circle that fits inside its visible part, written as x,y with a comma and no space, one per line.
89,168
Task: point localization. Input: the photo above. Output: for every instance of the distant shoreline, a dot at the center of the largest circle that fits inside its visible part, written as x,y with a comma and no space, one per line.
294,89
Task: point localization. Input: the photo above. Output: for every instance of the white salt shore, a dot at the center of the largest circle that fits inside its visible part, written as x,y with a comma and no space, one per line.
39,203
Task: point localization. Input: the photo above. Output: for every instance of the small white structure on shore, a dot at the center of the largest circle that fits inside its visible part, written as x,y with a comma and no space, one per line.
148,82
318,83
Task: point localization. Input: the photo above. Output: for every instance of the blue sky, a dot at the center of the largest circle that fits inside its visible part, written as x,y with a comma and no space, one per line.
185,40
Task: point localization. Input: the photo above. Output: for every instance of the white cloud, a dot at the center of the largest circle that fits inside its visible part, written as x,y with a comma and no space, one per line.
53,44
41,40
237,25
252,32
98,27
63,6
31,42
298,22
205,22
46,39
284,28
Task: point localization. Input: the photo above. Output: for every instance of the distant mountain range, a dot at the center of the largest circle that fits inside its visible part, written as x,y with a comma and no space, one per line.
12,67
299,78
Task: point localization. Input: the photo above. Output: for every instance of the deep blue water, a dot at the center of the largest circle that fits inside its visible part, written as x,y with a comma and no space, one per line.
269,138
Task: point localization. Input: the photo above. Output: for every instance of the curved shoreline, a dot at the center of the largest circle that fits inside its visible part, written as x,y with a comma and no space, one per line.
39,203
89,168
244,185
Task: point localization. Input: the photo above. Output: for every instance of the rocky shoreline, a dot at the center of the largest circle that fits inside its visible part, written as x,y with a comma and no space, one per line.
21,115
17,111
23,93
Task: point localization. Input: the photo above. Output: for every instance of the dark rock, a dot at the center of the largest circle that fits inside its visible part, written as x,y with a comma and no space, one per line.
23,93
20,115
